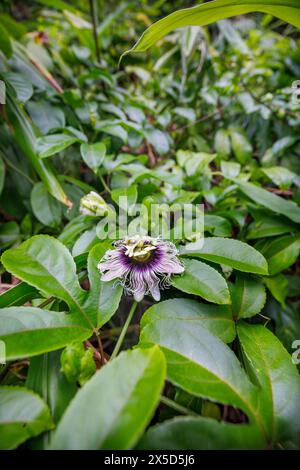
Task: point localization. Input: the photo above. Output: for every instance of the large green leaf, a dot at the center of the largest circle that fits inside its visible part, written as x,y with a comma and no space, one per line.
203,280
104,297
28,331
188,433
230,252
269,200
115,405
271,367
248,296
216,318
287,10
46,264
23,414
202,364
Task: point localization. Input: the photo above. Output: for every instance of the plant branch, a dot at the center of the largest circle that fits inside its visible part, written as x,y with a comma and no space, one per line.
94,16
124,330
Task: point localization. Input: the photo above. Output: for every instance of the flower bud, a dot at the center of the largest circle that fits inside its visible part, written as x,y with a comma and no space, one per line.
93,204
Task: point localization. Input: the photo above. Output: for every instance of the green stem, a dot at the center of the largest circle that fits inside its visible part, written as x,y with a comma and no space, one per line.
94,16
106,187
124,330
181,409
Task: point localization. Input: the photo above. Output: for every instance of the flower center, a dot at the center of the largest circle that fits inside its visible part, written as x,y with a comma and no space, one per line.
142,258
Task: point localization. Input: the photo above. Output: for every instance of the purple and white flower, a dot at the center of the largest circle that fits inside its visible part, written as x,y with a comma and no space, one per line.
143,264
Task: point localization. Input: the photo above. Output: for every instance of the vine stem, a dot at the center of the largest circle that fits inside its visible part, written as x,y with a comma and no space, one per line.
181,409
94,16
106,187
124,330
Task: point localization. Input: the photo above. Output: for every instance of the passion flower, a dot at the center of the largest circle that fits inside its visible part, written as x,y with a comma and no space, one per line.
143,264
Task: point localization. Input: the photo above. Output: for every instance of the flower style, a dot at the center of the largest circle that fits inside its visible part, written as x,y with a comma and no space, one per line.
143,264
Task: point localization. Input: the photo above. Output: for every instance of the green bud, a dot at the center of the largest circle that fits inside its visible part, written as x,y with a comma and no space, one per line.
71,361
93,204
87,367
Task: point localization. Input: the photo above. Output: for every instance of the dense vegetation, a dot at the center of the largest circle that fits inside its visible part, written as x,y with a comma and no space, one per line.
204,115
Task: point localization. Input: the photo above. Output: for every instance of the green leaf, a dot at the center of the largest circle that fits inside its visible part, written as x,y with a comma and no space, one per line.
188,433
278,286
222,143
278,379
45,116
21,85
9,234
281,253
230,252
241,146
201,363
5,43
29,331
46,264
248,296
46,379
23,415
25,138
85,242
93,154
131,386
130,194
268,225
216,318
270,201
104,297
287,322
159,140
200,279
230,169
54,143
216,225
45,207
280,176
74,228
18,295
287,10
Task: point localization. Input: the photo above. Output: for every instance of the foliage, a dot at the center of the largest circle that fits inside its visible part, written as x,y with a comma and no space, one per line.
206,116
